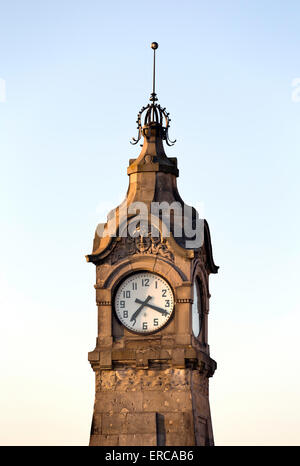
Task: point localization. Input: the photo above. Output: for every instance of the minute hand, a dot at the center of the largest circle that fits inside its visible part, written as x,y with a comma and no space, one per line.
156,308
143,303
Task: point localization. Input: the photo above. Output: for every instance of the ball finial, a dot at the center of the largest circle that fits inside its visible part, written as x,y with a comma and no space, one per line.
154,45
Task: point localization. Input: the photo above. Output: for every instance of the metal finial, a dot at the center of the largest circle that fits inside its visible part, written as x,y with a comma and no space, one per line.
153,97
153,113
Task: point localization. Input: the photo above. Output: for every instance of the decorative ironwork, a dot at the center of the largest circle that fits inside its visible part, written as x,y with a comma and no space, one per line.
153,113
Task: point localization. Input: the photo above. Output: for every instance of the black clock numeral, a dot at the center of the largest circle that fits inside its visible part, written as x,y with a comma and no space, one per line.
134,286
164,293
126,294
125,314
145,325
155,322
145,281
122,304
155,284
167,303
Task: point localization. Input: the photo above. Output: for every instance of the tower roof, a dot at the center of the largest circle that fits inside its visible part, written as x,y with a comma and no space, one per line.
153,123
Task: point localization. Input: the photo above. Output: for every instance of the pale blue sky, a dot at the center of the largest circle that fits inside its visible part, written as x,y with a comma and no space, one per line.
76,75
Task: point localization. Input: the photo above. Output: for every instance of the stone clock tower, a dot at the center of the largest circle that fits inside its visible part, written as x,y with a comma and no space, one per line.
153,259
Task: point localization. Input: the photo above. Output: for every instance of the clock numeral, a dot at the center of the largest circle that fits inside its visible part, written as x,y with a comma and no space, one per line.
125,314
134,286
155,284
122,304
145,325
155,322
164,293
126,294
145,281
167,303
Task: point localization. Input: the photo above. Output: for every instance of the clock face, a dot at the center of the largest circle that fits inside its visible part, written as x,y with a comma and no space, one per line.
196,310
144,302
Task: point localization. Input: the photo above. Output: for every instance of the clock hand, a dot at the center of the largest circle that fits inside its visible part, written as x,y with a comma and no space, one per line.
156,308
143,303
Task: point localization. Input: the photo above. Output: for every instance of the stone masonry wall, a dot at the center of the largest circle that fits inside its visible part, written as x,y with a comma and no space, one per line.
151,407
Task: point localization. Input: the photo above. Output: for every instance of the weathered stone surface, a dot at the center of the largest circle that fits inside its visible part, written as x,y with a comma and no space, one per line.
165,403
199,383
201,431
170,404
176,427
128,423
96,428
178,422
137,440
200,403
176,401
112,402
105,440
180,439
113,423
135,380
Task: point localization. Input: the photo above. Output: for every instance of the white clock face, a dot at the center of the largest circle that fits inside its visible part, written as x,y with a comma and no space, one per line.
144,302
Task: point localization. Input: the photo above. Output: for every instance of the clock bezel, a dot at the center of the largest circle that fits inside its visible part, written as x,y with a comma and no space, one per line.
117,286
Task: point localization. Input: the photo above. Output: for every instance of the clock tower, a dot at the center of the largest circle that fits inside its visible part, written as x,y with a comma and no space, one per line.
153,259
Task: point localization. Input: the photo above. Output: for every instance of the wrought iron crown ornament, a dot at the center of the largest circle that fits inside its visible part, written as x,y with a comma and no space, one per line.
153,113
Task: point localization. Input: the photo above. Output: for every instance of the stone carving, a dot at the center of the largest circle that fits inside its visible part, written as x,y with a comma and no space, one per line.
129,380
152,245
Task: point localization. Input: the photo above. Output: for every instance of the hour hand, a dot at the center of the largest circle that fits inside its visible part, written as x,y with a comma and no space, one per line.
156,308
136,313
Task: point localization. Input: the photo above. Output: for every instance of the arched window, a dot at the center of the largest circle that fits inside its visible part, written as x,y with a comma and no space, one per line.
197,309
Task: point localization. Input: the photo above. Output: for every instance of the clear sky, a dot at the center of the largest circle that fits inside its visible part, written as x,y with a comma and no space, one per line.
76,73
